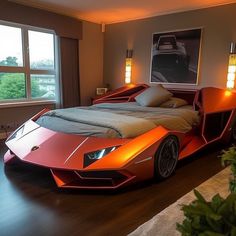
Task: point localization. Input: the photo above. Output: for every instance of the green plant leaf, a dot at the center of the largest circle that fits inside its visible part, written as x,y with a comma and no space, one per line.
229,156
192,210
216,217
185,228
232,185
233,231
196,222
230,200
214,225
206,210
199,196
216,202
210,233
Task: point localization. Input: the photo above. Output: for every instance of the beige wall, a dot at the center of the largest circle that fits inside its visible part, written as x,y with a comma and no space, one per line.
219,29
15,116
64,26
91,61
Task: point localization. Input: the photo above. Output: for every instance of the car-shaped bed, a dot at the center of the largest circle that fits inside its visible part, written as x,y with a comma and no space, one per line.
90,162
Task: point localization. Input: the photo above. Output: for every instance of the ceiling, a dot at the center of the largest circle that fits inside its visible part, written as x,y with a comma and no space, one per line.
112,11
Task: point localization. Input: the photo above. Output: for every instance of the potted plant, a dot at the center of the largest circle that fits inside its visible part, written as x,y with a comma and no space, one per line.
216,217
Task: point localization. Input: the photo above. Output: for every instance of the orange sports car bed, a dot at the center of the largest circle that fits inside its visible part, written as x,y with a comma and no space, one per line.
131,134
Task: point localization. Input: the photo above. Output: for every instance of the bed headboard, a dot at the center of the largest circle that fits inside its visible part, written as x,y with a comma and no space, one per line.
187,95
123,94
127,94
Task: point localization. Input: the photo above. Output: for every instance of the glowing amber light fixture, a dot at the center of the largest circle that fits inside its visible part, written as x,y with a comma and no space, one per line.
232,67
128,66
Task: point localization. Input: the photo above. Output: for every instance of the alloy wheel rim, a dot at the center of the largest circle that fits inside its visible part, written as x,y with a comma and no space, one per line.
168,157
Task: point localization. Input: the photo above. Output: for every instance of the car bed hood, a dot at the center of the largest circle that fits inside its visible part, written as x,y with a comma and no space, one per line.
44,147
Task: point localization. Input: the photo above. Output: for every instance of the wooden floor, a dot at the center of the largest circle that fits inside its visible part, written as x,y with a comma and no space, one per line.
30,203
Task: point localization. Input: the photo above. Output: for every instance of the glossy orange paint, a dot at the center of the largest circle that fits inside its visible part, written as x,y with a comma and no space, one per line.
133,160
216,100
212,101
56,150
132,149
65,179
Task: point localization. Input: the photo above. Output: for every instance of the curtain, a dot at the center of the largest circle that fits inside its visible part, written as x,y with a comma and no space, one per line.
69,50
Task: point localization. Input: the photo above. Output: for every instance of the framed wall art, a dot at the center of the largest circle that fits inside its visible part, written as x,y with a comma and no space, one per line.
175,57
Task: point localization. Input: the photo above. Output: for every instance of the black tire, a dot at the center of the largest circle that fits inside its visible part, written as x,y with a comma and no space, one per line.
166,157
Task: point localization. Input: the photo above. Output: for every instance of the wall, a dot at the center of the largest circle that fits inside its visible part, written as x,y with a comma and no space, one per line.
91,61
15,116
64,26
219,29
20,114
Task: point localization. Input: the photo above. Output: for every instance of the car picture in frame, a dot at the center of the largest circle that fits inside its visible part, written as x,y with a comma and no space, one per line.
175,56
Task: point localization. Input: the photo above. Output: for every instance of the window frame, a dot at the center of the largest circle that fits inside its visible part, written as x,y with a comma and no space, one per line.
27,71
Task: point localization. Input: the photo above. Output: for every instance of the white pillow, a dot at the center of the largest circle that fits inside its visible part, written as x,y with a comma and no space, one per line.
153,96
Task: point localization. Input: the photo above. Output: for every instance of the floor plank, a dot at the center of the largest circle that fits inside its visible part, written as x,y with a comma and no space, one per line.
31,204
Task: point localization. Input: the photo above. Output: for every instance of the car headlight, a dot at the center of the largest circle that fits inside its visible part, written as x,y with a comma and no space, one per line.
91,157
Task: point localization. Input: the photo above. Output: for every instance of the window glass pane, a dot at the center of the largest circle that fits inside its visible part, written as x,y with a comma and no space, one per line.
12,86
41,49
10,46
43,86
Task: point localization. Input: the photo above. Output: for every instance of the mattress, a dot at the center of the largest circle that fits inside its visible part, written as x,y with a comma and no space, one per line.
118,120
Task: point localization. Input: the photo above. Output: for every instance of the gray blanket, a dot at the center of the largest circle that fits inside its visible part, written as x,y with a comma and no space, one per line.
118,120
180,119
126,126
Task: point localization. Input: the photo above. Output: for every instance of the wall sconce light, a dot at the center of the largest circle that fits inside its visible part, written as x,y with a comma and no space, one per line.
128,66
232,66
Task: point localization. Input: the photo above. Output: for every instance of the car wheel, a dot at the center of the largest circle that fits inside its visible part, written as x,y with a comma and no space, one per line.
166,157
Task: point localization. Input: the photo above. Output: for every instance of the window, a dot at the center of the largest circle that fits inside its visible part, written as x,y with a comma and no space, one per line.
28,63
